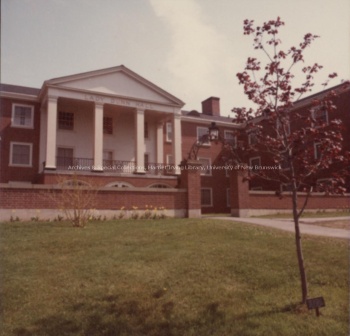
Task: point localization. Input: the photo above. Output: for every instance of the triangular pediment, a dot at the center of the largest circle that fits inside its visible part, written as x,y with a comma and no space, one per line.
117,81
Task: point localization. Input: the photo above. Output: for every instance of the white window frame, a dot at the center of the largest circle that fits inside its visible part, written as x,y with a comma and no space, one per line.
252,134
313,114
254,158
315,150
30,145
234,138
199,136
169,159
211,198
207,172
13,124
169,131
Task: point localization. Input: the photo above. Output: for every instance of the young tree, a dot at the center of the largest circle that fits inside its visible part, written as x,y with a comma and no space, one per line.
302,144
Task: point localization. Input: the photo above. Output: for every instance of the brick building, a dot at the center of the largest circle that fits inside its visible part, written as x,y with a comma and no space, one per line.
121,131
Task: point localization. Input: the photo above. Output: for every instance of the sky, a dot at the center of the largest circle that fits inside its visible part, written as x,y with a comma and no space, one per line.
193,49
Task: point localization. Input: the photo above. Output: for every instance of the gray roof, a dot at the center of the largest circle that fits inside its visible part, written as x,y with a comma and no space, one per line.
19,89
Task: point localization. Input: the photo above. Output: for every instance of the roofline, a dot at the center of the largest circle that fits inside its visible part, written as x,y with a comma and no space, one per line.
109,70
209,121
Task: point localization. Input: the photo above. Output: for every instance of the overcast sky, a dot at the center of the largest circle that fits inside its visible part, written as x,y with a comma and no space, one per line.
190,48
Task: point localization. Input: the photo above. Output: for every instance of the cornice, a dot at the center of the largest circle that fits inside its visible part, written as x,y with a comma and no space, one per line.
20,96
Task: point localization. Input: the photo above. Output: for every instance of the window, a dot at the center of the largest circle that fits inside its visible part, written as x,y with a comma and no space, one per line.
230,138
146,158
252,138
146,130
325,184
21,154
206,197
119,185
169,168
206,166
284,164
64,157
317,150
65,120
255,162
22,116
159,185
286,187
320,116
169,131
107,158
107,125
202,136
169,159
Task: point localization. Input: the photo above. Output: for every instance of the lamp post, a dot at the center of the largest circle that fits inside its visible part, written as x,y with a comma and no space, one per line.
212,135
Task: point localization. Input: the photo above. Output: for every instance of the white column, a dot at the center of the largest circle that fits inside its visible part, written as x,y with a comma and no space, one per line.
160,150
140,140
50,162
98,137
177,154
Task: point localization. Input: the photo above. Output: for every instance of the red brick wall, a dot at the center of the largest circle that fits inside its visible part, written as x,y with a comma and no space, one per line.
99,179
268,200
14,134
37,198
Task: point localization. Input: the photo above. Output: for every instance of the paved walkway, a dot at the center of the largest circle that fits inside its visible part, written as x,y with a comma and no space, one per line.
288,225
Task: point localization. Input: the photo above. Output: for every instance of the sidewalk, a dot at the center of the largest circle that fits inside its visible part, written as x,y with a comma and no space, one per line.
288,225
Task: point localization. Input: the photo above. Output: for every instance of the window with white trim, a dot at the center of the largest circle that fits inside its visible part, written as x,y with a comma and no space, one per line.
320,116
169,131
201,139
325,184
21,154
22,116
317,150
254,162
206,166
230,138
206,197
252,138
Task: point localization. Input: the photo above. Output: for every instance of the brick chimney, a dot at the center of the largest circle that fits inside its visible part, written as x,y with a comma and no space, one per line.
211,106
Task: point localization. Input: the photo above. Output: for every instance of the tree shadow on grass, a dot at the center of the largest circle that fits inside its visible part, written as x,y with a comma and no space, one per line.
111,316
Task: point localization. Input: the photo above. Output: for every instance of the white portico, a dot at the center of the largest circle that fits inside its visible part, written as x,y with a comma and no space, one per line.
98,118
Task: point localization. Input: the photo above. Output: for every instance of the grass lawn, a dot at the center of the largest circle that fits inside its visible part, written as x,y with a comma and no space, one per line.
167,277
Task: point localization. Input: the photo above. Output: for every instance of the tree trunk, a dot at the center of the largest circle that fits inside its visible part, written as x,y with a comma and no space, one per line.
304,288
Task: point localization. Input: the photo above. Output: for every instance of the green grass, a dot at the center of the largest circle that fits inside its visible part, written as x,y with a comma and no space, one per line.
167,277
